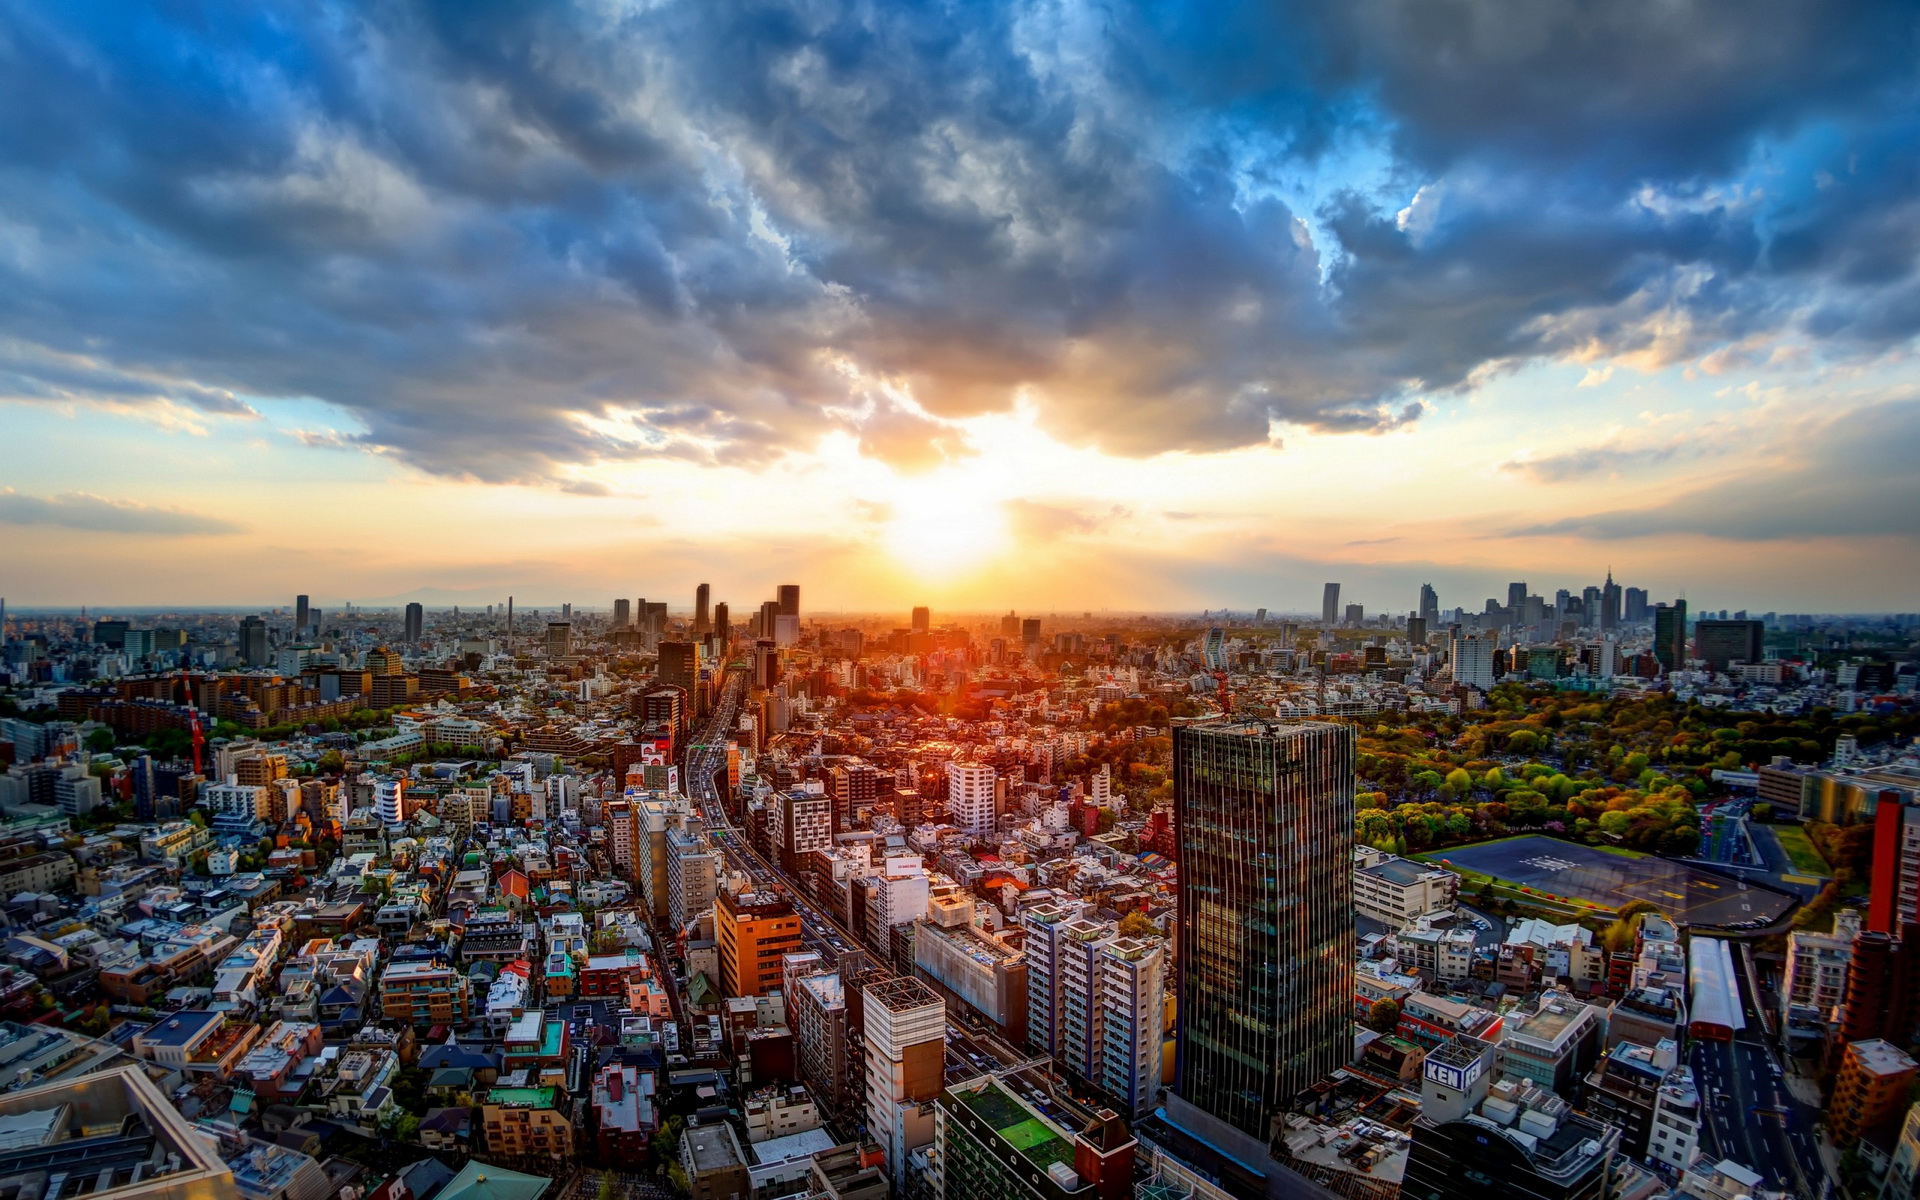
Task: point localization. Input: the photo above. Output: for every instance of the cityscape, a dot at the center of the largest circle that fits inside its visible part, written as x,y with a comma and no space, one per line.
1572,896
1009,600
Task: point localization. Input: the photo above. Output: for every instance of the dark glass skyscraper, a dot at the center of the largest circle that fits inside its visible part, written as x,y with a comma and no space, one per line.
416,623
1267,944
789,599
702,613
1670,635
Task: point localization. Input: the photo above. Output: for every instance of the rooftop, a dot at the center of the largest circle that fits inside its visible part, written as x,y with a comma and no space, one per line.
1037,1140
1877,1057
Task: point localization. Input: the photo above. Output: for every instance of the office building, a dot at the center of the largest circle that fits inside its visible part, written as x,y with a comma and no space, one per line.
302,616
922,620
693,875
1670,635
253,641
766,664
1267,944
1330,605
416,623
1429,606
970,966
1609,605
559,639
993,1143
906,1036
754,931
769,616
679,666
1624,1089
1555,1045
1676,1121
1636,606
971,790
722,624
702,613
1394,890
623,613
1722,643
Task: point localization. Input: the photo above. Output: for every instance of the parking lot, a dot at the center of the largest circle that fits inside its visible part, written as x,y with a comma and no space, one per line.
1582,873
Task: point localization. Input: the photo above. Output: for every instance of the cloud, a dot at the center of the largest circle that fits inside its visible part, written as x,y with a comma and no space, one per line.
512,241
97,514
1851,477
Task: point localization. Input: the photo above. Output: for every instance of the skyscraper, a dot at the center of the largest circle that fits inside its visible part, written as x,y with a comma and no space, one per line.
253,641
1472,657
1670,635
1516,597
1609,604
416,622
1330,605
702,615
1723,643
1636,606
559,639
1429,606
922,619
1266,931
622,614
769,614
722,622
789,598
302,616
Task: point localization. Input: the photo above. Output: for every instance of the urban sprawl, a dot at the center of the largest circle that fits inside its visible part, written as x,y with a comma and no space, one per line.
1568,897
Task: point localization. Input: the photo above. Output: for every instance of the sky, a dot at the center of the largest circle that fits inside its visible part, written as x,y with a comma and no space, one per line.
1050,305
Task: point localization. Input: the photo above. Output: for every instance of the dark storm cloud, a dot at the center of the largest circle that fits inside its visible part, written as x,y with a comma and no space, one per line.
509,238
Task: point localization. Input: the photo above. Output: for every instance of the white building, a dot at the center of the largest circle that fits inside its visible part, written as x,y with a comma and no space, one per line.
1472,657
970,797
1394,890
238,801
1675,1140
390,802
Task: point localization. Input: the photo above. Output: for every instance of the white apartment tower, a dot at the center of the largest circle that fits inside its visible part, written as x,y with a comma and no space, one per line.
970,797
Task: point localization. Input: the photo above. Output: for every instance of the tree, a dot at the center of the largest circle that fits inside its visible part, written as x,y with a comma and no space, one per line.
606,1185
1384,1016
407,1128
100,740
1138,925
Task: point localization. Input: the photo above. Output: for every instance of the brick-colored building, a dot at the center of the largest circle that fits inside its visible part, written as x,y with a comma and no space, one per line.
527,1123
1870,1091
754,931
424,993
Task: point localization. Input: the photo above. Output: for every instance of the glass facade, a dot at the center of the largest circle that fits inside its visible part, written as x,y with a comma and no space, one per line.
1267,942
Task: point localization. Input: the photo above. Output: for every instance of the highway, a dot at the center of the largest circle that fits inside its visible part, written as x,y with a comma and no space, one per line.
1751,1116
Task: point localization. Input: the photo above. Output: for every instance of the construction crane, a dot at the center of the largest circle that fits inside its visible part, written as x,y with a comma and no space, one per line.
1226,697
199,744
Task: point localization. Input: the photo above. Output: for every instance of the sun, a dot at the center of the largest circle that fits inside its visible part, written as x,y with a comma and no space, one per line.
943,527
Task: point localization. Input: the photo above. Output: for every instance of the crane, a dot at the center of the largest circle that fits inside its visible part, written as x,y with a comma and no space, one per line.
1226,697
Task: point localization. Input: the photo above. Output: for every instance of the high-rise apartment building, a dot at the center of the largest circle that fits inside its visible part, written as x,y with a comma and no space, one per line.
1670,635
906,1033
1109,1000
1472,656
1330,605
754,931
302,616
970,797
1267,944
702,612
416,623
253,641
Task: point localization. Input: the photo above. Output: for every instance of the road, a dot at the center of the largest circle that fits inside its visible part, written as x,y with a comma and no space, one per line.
969,1044
1751,1116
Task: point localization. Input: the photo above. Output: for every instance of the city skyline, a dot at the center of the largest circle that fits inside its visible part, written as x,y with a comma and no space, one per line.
381,308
